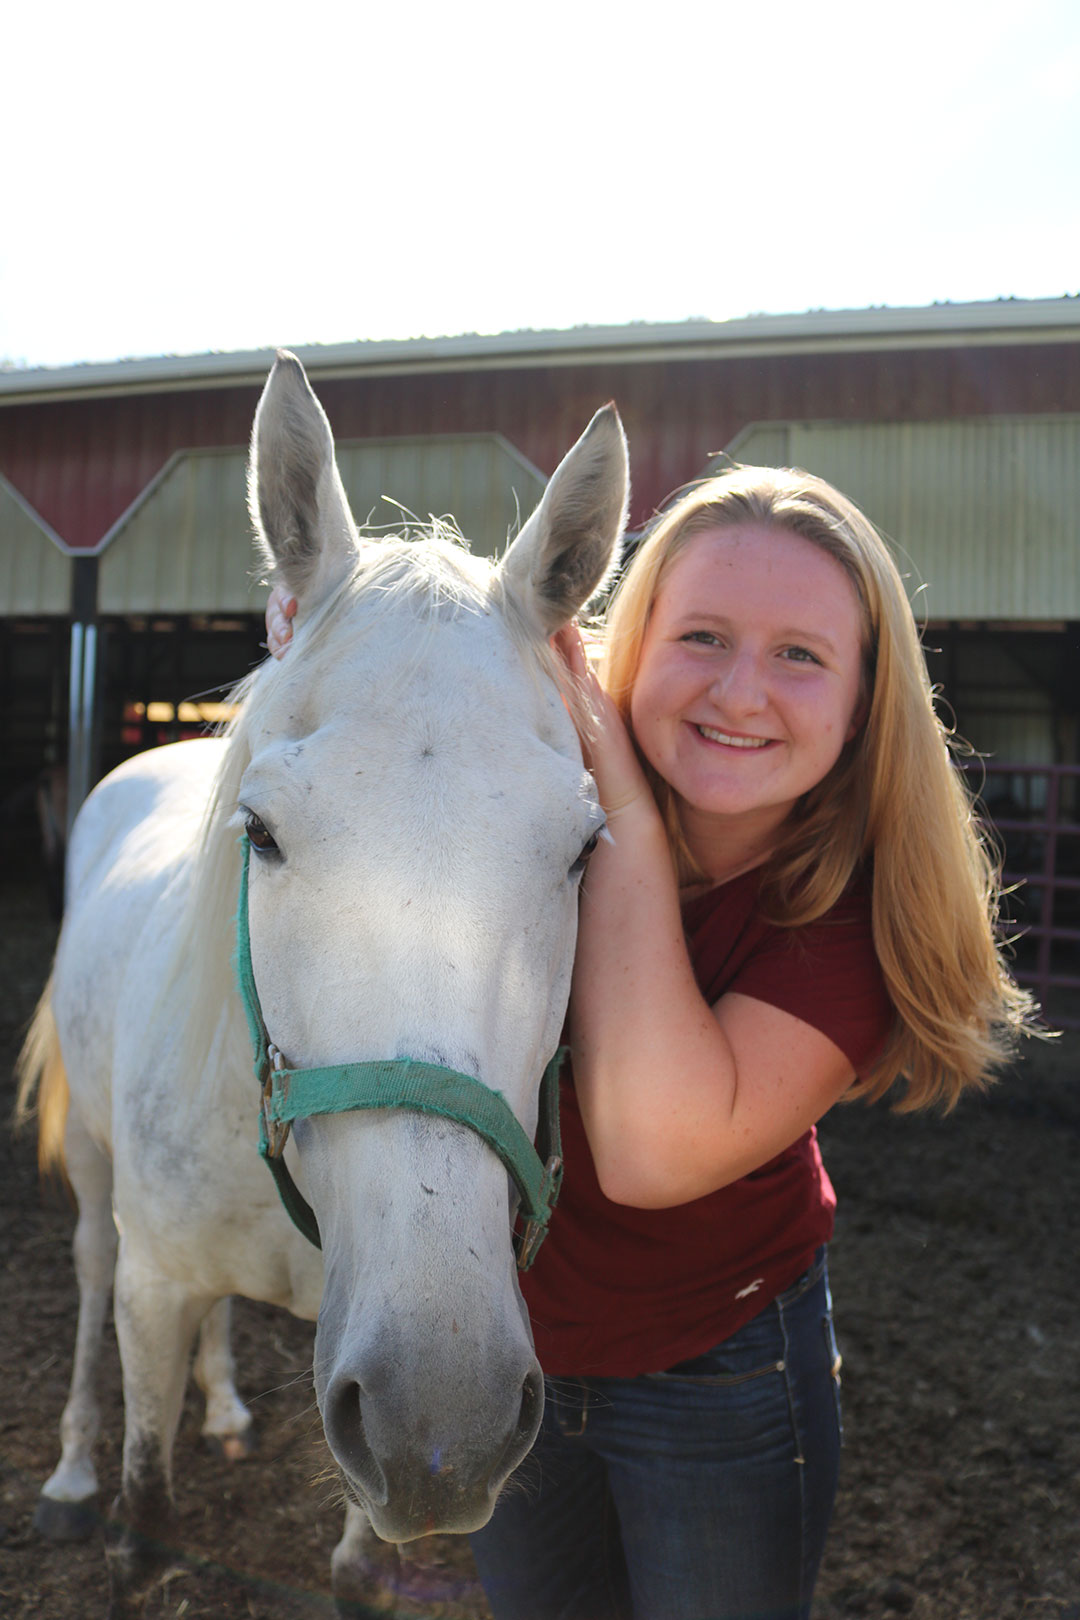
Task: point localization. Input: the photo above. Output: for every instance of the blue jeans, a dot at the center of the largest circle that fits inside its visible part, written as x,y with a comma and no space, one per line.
700,1493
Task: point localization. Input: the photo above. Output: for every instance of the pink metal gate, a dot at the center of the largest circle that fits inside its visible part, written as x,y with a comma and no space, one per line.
1034,810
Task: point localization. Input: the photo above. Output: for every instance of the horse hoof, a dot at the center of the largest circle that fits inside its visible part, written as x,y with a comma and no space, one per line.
66,1521
380,1607
362,1591
233,1448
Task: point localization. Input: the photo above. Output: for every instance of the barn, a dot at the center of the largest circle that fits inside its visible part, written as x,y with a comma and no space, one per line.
127,602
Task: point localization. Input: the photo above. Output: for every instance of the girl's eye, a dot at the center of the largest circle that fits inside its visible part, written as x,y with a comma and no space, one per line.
701,638
259,835
801,655
583,859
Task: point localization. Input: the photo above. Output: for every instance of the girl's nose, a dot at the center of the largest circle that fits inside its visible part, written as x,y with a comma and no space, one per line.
739,686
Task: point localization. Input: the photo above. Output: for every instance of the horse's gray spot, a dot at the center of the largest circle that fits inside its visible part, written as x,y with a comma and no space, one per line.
429,1190
428,752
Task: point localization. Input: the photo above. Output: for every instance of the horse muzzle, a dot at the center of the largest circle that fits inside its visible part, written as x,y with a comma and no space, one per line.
424,1453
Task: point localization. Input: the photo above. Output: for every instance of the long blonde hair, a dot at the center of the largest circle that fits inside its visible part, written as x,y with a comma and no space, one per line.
894,805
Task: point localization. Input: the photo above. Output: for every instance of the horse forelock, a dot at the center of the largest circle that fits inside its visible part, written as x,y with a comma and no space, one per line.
433,571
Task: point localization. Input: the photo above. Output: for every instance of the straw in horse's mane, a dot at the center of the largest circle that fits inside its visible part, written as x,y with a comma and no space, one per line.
439,577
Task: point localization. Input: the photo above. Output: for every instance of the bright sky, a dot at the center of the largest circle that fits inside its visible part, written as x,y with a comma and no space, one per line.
233,175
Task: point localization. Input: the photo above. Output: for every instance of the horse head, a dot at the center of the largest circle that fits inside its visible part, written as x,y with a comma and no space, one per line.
419,819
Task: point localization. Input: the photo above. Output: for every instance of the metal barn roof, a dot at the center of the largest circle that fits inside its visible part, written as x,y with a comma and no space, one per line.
984,513
82,443
101,458
1000,321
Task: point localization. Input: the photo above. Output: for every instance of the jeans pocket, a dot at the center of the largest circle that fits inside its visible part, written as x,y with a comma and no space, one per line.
753,1351
810,1278
681,1375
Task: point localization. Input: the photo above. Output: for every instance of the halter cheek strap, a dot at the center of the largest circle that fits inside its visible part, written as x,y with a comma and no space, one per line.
425,1088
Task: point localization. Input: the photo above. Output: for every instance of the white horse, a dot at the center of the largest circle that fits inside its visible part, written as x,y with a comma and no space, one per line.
411,786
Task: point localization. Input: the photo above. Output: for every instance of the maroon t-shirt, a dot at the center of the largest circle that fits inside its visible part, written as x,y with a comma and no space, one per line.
617,1291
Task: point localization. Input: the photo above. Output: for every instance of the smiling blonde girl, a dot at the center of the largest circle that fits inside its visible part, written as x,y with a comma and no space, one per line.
794,906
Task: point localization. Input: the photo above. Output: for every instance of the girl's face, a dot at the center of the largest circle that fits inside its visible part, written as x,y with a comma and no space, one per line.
750,679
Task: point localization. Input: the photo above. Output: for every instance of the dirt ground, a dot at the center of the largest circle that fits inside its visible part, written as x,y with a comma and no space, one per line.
955,1274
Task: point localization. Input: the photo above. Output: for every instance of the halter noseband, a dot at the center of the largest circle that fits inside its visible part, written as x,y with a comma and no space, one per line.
426,1088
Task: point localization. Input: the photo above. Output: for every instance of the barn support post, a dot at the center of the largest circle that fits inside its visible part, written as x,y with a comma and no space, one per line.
82,684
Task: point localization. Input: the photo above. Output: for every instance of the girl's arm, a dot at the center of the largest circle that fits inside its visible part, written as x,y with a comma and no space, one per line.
678,1098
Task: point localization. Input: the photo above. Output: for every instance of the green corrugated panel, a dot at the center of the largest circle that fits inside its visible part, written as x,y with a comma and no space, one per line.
185,547
35,575
763,444
983,512
473,479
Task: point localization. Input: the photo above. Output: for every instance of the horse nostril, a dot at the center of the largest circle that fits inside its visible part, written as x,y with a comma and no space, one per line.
519,1441
343,1413
532,1406
344,1424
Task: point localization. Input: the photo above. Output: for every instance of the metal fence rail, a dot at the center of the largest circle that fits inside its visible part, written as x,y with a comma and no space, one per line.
1033,809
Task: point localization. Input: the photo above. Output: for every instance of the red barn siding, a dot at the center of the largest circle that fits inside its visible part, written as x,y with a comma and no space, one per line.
80,463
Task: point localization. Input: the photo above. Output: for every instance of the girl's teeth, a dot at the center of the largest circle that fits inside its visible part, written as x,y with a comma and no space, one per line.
733,742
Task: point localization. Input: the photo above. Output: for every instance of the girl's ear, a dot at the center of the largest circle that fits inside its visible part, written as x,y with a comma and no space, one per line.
858,719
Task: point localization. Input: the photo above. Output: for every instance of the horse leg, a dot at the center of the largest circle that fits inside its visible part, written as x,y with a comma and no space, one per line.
66,1509
353,1581
156,1322
227,1427
367,1586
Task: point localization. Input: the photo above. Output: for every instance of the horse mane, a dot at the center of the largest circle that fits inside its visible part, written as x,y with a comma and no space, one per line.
434,572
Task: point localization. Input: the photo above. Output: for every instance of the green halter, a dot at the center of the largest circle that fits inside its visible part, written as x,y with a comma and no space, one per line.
426,1088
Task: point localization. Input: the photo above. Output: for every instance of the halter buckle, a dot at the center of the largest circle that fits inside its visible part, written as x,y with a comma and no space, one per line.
276,1130
534,1231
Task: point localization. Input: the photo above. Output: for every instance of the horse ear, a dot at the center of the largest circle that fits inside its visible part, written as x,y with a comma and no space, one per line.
567,549
303,526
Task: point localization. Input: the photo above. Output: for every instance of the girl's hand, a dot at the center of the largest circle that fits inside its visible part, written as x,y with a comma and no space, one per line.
606,744
280,610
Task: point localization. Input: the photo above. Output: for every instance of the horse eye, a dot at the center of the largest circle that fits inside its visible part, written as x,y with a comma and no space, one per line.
583,859
259,836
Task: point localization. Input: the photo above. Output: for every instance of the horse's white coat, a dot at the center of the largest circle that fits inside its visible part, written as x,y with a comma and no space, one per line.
423,783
